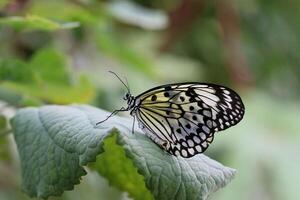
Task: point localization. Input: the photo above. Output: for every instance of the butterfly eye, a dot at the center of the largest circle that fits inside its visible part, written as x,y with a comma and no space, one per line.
126,96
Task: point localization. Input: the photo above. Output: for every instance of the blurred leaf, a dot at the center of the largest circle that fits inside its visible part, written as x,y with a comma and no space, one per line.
3,123
9,96
54,93
55,142
65,10
4,153
111,45
15,70
34,22
132,13
16,98
45,77
50,66
3,3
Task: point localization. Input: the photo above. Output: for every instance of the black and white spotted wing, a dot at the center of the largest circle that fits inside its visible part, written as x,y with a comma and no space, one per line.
182,118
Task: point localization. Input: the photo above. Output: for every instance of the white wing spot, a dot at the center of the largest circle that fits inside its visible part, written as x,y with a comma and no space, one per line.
184,144
203,136
226,91
204,144
227,97
196,139
190,142
183,153
209,123
206,129
210,139
207,113
191,151
198,148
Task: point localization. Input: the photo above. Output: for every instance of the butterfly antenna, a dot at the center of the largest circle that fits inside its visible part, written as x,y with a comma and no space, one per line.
127,84
127,87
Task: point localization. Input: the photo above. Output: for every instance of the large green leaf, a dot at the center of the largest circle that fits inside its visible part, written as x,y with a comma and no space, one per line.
55,142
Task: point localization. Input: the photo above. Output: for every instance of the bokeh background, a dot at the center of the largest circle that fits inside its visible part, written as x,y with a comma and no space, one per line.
60,52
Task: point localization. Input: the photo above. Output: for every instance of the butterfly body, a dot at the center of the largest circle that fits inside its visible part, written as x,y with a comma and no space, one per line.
182,118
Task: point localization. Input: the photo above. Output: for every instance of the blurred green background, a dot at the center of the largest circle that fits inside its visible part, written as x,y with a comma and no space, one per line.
60,52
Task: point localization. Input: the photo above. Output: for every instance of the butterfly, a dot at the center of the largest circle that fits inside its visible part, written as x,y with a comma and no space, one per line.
182,118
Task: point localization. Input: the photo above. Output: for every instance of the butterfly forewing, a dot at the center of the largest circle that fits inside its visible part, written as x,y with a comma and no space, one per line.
182,118
227,107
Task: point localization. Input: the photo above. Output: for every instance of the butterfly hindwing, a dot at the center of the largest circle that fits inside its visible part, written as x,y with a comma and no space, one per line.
185,125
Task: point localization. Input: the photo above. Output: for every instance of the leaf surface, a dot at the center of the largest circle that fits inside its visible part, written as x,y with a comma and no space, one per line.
55,142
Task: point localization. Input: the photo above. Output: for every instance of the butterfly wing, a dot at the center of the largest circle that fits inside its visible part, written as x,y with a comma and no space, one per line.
182,118
226,105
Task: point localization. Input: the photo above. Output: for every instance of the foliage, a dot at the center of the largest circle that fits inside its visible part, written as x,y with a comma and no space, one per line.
44,77
33,22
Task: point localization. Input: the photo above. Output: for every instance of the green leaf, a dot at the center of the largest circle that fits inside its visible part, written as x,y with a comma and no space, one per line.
9,96
113,46
67,11
3,3
15,70
53,93
50,66
55,142
34,22
3,123
121,171
46,77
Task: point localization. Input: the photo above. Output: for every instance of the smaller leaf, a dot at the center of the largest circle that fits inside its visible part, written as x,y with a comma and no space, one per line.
120,171
34,22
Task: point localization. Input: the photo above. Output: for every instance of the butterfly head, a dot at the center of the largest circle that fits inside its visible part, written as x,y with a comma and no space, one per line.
127,97
130,99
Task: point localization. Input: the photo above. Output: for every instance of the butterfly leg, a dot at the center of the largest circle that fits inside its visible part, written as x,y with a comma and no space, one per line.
112,114
133,124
